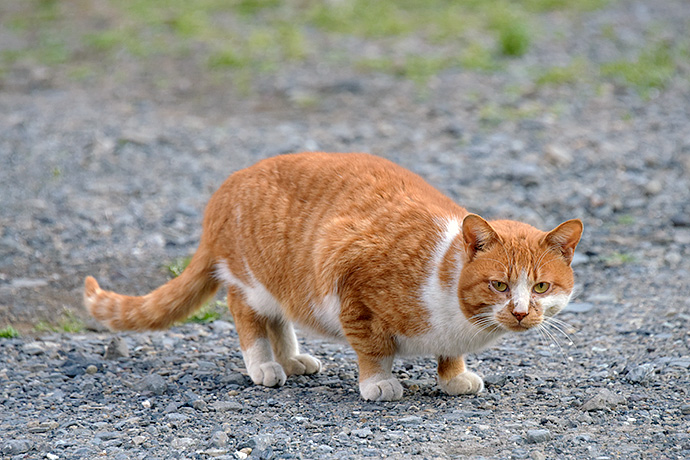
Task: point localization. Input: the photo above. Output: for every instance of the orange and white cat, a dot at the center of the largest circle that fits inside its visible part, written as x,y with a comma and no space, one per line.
354,247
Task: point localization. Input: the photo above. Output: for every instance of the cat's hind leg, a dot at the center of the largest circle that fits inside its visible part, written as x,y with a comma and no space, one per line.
455,379
286,350
252,329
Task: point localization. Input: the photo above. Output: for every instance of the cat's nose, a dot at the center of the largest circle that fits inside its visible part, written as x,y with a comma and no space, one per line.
519,315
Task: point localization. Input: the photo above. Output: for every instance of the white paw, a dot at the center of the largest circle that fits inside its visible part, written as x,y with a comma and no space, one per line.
465,383
302,365
270,374
381,390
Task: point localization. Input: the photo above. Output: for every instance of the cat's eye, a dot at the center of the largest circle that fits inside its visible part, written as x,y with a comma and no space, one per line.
500,286
541,288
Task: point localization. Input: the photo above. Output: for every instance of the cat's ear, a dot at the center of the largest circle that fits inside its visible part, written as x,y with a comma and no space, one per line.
477,234
565,238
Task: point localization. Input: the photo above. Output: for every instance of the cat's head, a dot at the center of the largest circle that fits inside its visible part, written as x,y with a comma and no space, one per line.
514,275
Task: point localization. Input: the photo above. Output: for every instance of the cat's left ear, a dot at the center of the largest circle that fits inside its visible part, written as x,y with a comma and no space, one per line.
477,233
565,238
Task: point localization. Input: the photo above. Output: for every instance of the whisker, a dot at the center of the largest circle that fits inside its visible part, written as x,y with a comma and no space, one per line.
557,327
542,327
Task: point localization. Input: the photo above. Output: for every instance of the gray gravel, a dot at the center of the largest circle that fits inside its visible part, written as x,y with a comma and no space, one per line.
105,181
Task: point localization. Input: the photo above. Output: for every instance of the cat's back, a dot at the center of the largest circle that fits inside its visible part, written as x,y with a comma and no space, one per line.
294,226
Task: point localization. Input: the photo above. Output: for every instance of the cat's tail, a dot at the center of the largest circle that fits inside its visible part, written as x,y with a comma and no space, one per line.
174,301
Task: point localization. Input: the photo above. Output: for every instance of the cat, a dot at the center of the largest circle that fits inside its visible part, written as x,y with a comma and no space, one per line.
355,247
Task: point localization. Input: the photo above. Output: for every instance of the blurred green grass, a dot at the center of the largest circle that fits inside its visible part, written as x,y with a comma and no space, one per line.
246,38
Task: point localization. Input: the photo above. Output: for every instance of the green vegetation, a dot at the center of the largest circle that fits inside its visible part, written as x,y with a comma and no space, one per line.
68,322
617,259
177,266
208,313
8,332
249,37
576,71
652,69
238,40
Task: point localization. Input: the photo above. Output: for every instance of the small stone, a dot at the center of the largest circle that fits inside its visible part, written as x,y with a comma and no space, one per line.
219,439
604,400
640,373
324,449
536,455
234,378
537,436
33,349
681,220
146,404
653,187
108,435
220,326
50,456
224,406
182,443
153,383
91,369
200,405
138,440
685,409
362,433
16,446
117,348
410,420
495,379
557,155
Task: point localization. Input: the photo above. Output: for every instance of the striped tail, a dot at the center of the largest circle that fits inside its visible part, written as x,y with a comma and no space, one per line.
174,301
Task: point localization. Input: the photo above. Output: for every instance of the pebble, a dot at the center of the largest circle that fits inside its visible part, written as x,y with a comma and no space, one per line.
33,349
410,420
16,446
603,400
640,373
117,348
182,443
225,406
219,439
537,436
362,433
153,383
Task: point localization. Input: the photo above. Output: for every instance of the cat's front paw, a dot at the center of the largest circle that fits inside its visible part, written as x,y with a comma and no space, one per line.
465,383
269,374
381,390
302,365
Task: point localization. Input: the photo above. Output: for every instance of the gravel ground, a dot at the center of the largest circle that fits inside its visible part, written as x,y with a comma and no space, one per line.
105,181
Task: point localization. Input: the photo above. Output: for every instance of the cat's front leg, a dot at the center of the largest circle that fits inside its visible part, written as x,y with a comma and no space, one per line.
376,382
455,379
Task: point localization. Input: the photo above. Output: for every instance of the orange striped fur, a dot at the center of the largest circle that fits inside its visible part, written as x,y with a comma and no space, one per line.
357,248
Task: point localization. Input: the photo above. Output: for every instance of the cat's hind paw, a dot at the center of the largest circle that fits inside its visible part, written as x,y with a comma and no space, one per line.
269,374
381,390
465,383
302,365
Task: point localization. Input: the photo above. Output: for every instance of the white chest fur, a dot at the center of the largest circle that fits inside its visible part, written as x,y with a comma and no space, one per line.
451,334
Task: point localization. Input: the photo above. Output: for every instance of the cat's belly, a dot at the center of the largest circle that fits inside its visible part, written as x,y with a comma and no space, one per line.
321,317
447,339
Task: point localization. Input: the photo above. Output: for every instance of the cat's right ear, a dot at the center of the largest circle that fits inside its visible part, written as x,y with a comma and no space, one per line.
477,234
